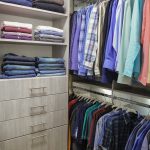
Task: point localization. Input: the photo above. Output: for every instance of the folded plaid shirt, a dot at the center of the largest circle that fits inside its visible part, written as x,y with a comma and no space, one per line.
91,45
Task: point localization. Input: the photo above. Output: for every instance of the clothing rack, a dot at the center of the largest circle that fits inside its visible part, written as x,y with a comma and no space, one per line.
112,97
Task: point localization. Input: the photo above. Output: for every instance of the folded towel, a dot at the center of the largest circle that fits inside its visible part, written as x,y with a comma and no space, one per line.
48,40
49,7
46,36
58,2
16,29
17,24
49,32
49,28
16,37
17,34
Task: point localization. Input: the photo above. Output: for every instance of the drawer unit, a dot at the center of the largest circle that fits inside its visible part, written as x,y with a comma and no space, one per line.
23,88
14,109
27,125
52,139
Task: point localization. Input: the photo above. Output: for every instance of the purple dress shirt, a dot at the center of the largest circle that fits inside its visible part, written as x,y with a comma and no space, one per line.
110,53
74,65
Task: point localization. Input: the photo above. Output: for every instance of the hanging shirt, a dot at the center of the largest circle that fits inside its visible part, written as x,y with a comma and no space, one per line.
91,40
140,137
106,75
132,65
122,53
118,28
145,40
110,54
145,144
132,136
74,65
81,36
82,71
102,11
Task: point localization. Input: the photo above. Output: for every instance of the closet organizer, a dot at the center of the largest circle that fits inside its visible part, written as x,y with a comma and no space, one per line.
33,111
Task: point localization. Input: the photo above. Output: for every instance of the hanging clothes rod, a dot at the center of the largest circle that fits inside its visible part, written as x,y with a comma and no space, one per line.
130,101
113,97
94,92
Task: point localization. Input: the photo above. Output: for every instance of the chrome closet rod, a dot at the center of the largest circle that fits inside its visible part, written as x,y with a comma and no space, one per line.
114,97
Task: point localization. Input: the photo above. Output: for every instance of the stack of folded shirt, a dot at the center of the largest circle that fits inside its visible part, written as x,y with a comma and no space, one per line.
15,66
49,34
16,30
19,2
50,66
50,5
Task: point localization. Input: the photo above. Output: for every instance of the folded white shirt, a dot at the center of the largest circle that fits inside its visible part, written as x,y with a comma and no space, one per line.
17,24
48,28
17,33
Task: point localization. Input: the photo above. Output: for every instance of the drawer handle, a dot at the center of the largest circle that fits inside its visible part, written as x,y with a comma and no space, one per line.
43,93
41,125
43,111
39,137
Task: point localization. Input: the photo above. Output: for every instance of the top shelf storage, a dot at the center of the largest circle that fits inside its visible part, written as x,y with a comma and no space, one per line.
18,10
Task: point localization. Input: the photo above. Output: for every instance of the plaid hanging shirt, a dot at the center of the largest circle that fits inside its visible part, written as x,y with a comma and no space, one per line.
91,45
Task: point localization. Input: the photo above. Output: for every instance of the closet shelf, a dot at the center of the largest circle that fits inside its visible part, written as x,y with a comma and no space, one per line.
23,11
11,41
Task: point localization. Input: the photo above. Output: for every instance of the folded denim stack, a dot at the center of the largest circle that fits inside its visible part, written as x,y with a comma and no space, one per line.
19,2
15,66
51,66
16,30
49,34
50,5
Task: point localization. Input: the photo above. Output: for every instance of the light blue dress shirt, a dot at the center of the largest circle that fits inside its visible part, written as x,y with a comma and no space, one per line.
132,65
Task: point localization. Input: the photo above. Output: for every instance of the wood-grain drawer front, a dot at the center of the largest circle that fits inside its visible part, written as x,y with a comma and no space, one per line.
58,138
49,85
23,126
60,118
52,139
32,106
58,102
24,88
23,107
14,89
37,141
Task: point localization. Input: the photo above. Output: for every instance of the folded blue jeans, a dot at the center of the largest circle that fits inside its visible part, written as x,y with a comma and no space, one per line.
50,60
55,74
18,63
19,2
14,57
18,67
51,65
51,68
51,71
21,76
19,72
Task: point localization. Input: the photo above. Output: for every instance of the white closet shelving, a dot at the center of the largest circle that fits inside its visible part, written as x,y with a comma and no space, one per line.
33,111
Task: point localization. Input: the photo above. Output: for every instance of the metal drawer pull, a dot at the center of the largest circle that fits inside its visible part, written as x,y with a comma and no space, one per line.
43,111
41,125
43,93
39,137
